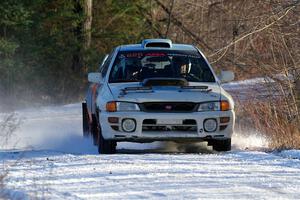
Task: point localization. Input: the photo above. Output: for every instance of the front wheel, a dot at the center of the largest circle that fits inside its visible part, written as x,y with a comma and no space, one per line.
221,145
105,146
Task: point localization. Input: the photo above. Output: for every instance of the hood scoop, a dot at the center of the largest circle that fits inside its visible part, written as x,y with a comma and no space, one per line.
149,82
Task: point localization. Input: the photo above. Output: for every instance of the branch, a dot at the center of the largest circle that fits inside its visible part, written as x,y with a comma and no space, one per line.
251,33
169,19
186,30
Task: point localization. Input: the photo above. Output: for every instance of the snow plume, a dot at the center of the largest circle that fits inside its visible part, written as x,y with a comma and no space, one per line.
51,128
250,140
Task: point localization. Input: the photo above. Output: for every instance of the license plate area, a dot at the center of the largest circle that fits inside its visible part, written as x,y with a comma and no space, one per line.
169,121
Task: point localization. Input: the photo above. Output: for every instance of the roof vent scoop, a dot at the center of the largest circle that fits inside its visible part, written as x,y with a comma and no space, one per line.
157,43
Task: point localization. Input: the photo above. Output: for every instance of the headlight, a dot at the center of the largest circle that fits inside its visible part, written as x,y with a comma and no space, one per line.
114,106
125,106
215,106
209,106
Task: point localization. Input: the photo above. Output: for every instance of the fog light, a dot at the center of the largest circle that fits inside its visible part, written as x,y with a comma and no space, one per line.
210,125
128,125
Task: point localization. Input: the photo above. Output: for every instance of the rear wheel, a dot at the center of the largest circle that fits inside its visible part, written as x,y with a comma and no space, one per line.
221,145
85,121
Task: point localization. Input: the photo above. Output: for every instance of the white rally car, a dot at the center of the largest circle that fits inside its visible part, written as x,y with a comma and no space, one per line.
157,91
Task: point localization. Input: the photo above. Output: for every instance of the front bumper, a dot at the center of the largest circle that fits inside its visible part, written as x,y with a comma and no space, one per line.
113,131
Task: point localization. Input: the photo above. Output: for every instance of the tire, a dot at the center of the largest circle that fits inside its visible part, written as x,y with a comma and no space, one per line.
85,121
104,146
221,145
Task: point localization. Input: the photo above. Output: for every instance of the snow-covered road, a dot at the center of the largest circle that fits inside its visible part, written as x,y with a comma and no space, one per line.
47,158
234,175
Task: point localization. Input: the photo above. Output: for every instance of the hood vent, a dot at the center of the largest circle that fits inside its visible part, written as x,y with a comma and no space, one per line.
157,43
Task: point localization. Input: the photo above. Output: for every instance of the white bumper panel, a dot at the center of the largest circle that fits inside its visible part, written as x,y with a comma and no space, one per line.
139,134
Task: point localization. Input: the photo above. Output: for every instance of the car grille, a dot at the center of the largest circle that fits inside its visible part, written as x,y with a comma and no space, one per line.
187,125
168,107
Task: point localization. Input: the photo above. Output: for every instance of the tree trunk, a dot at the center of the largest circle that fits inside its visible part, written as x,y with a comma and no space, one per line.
87,26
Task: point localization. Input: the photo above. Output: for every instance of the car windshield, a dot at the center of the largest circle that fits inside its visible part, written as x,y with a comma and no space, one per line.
137,66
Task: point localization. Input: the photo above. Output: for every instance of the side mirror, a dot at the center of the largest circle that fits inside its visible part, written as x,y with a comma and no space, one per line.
95,77
226,76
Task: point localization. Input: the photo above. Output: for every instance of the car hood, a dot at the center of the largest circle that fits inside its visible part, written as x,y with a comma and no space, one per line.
165,93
